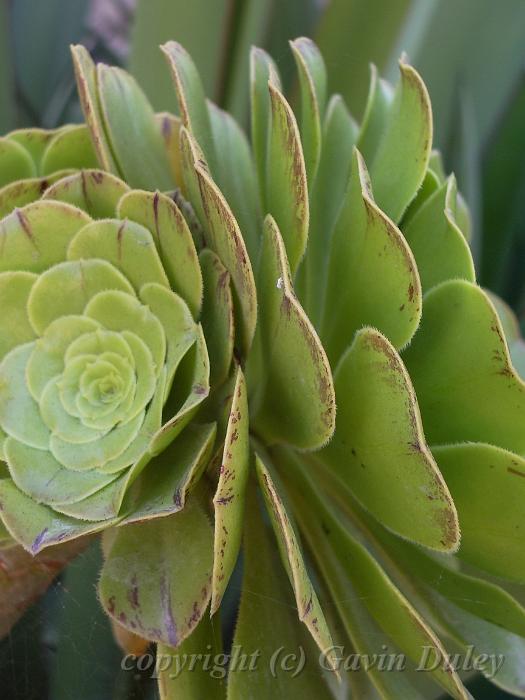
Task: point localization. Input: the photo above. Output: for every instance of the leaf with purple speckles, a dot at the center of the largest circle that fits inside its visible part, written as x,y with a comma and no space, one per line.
36,526
156,578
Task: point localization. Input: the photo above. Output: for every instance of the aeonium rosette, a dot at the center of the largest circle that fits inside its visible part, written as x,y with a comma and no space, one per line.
103,364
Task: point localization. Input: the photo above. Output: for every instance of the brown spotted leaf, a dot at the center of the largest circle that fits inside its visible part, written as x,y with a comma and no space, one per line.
229,498
379,450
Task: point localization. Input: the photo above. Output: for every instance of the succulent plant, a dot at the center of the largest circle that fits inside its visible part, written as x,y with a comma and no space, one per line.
170,324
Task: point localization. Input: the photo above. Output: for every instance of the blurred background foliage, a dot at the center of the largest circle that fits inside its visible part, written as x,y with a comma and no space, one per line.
471,54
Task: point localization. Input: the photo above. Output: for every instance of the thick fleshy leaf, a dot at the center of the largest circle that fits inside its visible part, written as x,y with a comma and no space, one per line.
267,606
93,191
217,316
379,436
483,599
106,504
326,197
194,388
312,80
34,141
25,239
15,289
439,247
398,167
136,144
36,526
466,386
120,311
97,453
236,177
170,126
431,183
262,70
488,487
66,288
47,358
342,558
296,402
382,286
40,476
87,85
16,163
169,478
153,588
19,413
286,185
308,606
190,189
509,320
22,192
228,501
177,321
162,217
225,239
190,95
24,577
126,245
178,679
70,148
378,105
503,660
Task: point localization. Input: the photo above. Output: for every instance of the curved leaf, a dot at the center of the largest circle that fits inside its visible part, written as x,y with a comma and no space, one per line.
228,502
296,403
308,607
379,441
459,363
312,81
398,168
439,246
488,487
381,282
286,185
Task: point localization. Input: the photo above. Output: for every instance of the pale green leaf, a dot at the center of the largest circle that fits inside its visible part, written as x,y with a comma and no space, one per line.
296,402
286,184
399,165
217,316
312,81
379,436
438,245
381,282
461,370
488,487
225,239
